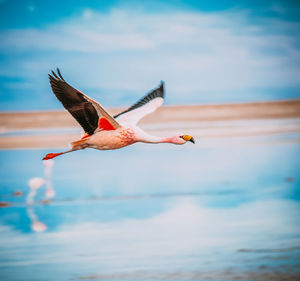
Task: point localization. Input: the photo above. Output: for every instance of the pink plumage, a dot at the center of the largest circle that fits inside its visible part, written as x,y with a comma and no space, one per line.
103,131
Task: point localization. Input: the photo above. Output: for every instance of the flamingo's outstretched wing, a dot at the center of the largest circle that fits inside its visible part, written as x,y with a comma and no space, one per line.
144,106
86,111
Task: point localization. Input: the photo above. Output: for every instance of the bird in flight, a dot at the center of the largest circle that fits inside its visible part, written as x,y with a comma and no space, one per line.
103,131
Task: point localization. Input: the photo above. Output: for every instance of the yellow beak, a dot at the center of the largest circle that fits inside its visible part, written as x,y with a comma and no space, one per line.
188,138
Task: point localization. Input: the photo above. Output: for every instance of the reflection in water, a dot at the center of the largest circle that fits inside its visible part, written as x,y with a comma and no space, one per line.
36,225
35,184
48,165
209,219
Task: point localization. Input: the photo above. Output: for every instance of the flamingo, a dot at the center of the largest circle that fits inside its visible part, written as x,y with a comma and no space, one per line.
103,131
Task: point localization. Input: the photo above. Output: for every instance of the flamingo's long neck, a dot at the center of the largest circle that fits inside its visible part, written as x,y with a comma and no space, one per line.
154,139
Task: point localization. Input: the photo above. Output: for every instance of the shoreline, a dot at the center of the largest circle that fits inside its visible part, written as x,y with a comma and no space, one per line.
174,113
204,121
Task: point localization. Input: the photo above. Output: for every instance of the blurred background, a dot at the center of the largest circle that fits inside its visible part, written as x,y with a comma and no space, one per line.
226,208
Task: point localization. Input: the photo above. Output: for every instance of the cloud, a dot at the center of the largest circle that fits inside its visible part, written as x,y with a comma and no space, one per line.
205,56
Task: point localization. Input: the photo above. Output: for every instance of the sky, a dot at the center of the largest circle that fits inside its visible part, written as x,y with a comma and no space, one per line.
117,51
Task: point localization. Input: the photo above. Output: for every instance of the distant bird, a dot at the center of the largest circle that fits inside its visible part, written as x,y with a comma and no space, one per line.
102,131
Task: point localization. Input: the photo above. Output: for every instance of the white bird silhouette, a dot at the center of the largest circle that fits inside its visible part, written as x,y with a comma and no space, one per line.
34,185
49,192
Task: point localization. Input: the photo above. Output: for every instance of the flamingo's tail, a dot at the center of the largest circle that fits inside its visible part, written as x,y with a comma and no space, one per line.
79,144
52,155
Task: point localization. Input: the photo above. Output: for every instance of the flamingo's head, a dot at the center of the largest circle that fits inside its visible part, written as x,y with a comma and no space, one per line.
187,138
182,139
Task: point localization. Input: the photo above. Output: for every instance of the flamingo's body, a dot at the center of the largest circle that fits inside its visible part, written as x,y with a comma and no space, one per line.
102,131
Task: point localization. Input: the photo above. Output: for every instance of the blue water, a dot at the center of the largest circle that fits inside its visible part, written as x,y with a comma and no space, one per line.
211,211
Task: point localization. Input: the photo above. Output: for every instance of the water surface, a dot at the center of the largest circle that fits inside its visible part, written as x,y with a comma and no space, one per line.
222,209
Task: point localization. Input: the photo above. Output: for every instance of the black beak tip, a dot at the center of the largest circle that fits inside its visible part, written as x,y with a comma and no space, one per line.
192,140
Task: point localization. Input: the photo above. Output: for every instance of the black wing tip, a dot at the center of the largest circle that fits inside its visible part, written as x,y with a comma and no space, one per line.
52,79
59,74
162,86
55,76
161,89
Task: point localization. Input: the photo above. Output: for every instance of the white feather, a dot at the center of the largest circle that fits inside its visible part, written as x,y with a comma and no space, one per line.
134,116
